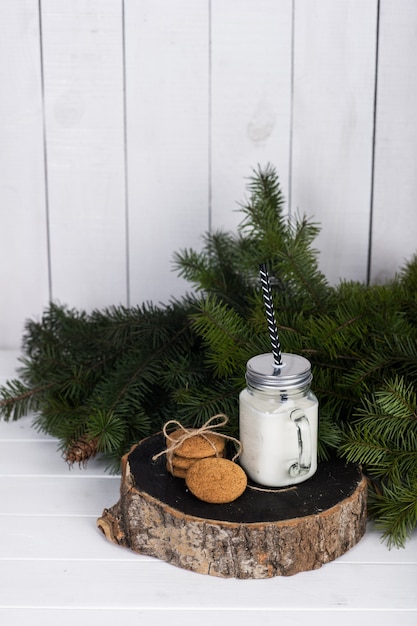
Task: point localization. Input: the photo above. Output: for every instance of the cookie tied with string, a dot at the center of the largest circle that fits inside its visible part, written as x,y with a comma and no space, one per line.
185,446
179,465
196,446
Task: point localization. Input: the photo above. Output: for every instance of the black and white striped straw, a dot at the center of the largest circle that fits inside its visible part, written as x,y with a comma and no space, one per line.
270,315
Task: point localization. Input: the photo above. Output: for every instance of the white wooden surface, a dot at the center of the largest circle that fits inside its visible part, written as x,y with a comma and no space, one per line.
23,218
57,568
167,139
83,101
128,128
394,231
332,143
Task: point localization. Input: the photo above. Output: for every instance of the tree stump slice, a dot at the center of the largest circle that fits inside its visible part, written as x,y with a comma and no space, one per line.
277,532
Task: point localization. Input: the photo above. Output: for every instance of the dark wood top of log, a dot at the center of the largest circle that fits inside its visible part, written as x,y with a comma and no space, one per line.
333,482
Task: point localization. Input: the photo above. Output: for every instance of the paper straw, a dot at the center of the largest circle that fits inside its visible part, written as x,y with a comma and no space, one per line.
270,315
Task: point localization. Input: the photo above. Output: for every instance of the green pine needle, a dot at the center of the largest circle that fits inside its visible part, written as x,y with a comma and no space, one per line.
114,376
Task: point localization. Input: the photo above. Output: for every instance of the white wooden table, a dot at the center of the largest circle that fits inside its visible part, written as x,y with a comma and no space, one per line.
57,568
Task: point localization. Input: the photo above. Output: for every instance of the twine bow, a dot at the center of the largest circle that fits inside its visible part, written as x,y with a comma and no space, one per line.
217,421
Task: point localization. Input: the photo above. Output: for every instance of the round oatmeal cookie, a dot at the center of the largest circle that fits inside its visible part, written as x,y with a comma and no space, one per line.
185,462
178,472
178,465
197,446
181,462
216,480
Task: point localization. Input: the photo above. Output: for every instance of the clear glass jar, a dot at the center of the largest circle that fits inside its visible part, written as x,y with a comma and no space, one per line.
278,421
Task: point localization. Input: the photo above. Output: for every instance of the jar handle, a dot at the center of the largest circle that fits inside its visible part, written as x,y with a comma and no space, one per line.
302,424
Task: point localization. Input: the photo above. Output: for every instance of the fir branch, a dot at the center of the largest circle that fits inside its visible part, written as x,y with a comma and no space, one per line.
296,262
330,436
263,212
200,404
107,429
394,510
217,269
384,440
224,331
18,399
98,382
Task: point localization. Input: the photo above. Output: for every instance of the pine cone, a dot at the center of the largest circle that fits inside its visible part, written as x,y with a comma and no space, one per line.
81,451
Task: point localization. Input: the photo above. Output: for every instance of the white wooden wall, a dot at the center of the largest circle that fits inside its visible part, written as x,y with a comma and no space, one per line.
128,127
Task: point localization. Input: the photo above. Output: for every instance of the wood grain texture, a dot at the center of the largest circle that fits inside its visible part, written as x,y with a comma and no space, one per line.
23,219
156,112
258,535
83,68
39,496
56,567
394,226
334,72
250,99
167,139
204,617
147,586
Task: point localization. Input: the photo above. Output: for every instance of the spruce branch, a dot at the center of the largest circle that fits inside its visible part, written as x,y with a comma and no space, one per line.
384,440
107,429
394,510
18,399
99,382
263,212
224,332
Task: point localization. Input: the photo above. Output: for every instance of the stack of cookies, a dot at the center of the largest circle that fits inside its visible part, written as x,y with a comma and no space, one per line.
191,449
200,461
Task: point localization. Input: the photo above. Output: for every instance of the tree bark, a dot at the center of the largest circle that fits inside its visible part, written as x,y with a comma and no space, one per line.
264,533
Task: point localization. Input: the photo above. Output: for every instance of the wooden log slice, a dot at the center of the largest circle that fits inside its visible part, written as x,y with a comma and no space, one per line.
264,533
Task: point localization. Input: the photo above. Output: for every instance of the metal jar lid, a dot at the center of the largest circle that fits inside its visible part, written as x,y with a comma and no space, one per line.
262,373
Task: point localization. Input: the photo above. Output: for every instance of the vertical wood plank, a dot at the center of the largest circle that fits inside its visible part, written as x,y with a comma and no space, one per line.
334,71
251,99
83,59
23,249
167,129
394,232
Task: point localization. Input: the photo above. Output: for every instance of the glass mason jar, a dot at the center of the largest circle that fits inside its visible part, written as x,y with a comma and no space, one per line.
278,421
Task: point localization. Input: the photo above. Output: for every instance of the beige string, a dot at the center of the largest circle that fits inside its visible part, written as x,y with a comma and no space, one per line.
217,421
